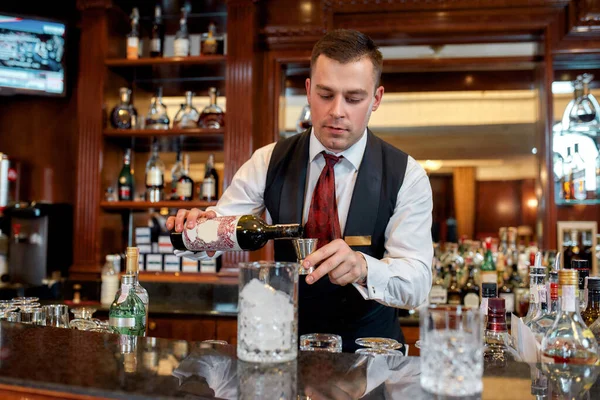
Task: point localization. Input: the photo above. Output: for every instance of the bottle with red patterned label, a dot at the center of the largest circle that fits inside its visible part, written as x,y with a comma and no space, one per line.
126,183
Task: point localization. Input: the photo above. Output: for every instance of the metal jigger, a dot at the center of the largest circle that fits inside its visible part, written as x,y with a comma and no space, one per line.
303,248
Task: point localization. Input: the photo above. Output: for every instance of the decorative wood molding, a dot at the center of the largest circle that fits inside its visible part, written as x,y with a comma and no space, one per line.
241,20
588,13
89,116
420,5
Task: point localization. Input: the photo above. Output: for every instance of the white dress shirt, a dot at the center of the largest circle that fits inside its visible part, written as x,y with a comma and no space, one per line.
402,278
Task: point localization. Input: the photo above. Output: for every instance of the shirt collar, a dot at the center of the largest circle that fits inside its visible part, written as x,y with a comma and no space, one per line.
354,154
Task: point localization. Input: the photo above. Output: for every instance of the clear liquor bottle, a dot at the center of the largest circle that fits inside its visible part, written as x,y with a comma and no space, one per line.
126,182
127,315
185,184
124,115
567,181
498,351
133,38
155,176
569,340
543,323
213,116
187,116
176,172
157,35
537,291
157,117
182,37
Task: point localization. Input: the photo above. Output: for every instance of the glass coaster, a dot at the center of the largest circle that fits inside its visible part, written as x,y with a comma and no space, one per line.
321,342
378,343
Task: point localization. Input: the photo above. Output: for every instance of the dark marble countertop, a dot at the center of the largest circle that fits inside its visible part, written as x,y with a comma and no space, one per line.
118,367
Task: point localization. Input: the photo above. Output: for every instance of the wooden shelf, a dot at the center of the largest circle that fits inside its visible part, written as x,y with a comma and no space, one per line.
145,205
145,62
159,132
181,277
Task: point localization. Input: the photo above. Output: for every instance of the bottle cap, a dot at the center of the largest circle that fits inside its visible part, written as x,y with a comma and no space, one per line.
568,277
580,264
594,283
489,289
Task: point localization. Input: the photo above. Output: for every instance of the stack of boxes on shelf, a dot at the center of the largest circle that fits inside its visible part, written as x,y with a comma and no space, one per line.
158,256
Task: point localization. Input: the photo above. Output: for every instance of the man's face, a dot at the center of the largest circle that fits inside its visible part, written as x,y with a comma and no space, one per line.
341,99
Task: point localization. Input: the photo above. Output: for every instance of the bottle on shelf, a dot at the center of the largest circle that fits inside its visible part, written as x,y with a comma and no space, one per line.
185,184
210,184
126,182
543,323
569,340
133,38
208,41
592,311
579,184
110,281
587,247
537,291
157,35
488,291
155,176
455,293
505,291
157,117
187,116
182,37
488,267
583,271
438,293
471,289
558,169
232,233
212,116
124,115
498,350
568,193
176,172
127,315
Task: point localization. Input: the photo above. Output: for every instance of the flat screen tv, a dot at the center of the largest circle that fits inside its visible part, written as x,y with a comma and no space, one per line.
32,56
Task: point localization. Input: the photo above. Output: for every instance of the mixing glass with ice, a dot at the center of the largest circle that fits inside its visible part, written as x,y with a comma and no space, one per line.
268,312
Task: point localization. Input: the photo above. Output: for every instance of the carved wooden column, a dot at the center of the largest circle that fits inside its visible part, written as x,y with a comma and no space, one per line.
90,83
241,42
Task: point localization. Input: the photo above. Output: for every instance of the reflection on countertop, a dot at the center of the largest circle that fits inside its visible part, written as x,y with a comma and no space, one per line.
120,367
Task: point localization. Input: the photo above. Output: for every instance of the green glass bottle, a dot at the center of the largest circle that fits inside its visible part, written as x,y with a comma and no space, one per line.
488,267
126,183
127,314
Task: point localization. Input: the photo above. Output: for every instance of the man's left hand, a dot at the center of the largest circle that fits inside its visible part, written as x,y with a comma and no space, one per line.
339,261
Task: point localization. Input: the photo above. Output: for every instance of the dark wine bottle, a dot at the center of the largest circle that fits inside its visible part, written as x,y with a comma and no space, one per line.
232,233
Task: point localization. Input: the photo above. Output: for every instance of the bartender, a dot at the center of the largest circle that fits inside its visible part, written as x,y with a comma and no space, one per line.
368,203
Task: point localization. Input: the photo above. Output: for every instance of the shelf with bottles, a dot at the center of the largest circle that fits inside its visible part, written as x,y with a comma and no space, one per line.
226,278
173,61
576,155
147,205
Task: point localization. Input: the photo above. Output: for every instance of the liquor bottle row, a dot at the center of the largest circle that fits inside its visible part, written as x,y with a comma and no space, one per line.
125,116
182,185
211,42
577,178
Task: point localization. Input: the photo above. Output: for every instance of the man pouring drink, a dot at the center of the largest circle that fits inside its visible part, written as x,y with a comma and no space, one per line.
368,203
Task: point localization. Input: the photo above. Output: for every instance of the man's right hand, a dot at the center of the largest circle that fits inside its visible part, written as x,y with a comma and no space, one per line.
189,218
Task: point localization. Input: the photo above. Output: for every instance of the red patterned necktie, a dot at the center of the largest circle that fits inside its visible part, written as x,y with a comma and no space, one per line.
323,222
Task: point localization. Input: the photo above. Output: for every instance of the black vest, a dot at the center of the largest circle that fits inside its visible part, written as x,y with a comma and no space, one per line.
323,306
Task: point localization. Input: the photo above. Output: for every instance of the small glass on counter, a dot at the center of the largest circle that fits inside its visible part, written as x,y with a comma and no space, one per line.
321,342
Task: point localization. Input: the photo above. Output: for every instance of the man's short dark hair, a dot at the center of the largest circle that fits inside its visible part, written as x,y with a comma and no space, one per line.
345,46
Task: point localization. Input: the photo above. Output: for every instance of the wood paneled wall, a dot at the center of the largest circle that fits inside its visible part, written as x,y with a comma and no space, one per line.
41,132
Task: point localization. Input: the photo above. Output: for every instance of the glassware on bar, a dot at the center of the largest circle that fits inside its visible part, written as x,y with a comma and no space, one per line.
32,315
124,115
569,340
57,315
303,248
304,121
83,318
157,117
212,116
187,116
321,342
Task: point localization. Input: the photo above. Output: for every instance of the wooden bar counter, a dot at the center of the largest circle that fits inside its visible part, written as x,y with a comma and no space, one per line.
51,363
